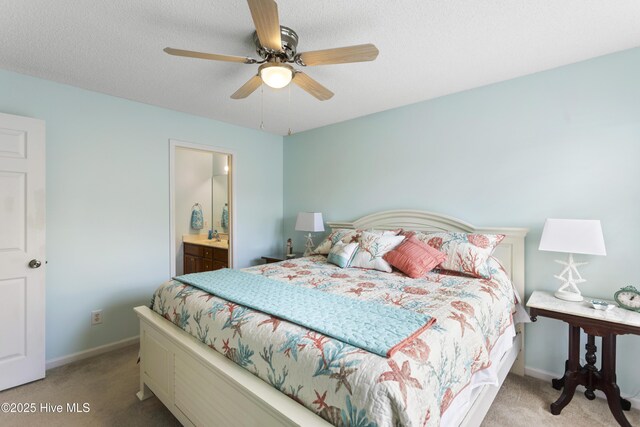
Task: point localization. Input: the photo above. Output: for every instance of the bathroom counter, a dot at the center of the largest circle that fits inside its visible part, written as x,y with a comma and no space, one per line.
203,241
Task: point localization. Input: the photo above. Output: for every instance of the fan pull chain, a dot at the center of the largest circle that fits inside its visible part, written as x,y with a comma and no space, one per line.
262,106
289,114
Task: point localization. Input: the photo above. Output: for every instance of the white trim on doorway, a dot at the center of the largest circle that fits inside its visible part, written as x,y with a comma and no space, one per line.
175,143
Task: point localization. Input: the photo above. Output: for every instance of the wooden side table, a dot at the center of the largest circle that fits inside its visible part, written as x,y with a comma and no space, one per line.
278,258
596,323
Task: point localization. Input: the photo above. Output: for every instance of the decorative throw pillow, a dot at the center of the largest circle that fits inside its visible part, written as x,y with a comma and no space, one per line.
466,253
342,253
336,236
371,250
414,257
347,235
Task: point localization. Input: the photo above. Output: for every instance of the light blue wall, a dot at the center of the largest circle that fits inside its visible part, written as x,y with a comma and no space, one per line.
108,201
563,143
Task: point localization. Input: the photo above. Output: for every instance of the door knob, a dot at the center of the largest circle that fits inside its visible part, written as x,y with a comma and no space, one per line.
34,263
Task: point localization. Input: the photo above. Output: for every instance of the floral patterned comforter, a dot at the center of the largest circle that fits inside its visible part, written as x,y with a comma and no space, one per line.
345,385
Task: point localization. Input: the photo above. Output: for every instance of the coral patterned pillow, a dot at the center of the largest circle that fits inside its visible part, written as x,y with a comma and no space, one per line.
466,253
348,235
342,253
371,250
414,257
344,235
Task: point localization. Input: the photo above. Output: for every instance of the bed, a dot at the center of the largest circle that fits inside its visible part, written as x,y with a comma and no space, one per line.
264,371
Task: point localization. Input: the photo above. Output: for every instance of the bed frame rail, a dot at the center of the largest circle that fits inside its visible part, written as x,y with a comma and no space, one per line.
201,387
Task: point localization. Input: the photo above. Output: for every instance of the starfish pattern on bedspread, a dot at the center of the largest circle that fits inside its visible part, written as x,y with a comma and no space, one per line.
336,380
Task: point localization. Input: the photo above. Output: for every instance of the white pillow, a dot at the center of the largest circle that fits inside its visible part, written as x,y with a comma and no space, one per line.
342,253
344,235
371,249
347,235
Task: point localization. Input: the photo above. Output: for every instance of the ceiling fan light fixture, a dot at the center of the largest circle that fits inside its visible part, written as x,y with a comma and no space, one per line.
275,74
278,46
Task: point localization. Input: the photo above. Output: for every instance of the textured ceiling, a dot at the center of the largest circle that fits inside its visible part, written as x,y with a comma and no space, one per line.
428,48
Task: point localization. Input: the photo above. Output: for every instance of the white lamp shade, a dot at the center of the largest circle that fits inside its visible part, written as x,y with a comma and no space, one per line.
576,236
309,221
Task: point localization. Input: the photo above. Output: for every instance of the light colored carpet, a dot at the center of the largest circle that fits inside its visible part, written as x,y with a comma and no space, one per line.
109,383
524,401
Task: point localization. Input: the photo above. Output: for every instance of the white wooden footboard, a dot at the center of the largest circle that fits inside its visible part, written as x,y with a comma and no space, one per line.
202,388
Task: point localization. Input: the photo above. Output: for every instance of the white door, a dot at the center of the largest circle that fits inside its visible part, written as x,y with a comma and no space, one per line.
22,250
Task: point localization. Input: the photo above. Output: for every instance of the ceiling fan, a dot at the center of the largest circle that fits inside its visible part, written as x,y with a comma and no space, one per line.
277,46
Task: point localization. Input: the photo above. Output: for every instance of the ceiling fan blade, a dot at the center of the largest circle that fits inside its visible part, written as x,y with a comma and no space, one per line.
212,56
311,86
248,88
265,18
340,55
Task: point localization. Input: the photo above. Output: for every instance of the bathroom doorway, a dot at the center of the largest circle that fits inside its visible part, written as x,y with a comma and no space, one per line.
202,214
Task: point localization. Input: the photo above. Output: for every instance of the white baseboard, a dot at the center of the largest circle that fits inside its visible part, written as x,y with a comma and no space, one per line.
54,363
548,376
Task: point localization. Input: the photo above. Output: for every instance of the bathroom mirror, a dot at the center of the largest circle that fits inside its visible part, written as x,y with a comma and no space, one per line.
201,222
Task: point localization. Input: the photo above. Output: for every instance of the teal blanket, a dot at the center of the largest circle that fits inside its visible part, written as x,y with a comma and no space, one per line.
372,326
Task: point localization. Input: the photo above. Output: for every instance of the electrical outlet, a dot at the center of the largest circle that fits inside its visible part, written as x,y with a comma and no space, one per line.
96,317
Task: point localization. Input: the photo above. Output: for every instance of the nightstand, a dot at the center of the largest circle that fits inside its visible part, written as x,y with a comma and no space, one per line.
595,323
278,258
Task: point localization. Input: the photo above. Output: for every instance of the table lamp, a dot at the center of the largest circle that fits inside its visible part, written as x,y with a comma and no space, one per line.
572,236
311,222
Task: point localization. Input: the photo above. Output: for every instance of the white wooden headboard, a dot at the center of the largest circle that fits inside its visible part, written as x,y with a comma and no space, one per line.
510,252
